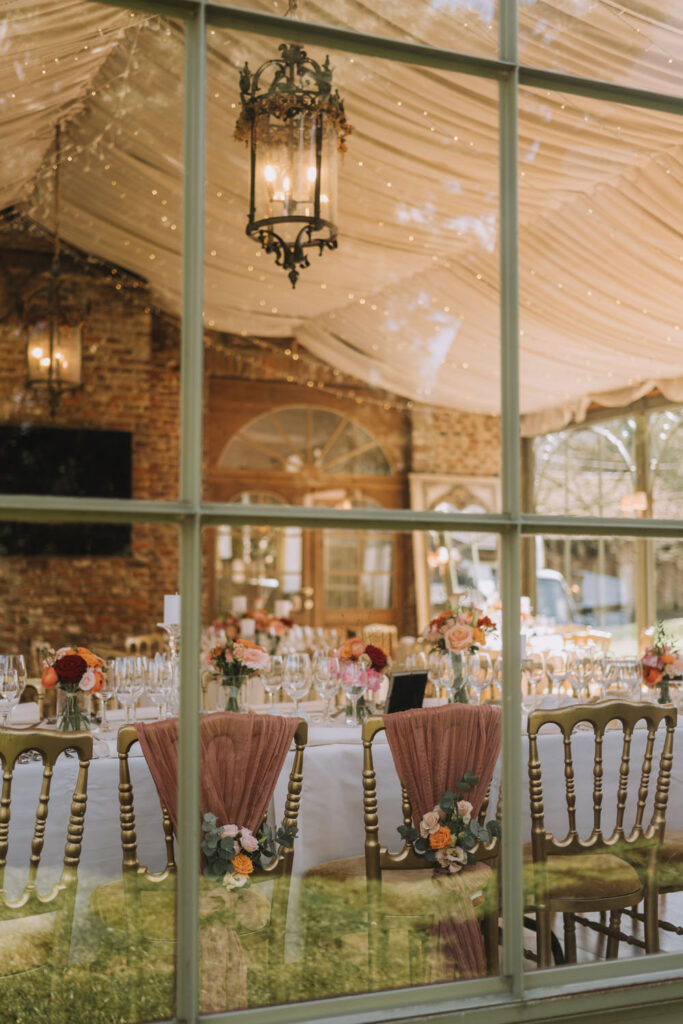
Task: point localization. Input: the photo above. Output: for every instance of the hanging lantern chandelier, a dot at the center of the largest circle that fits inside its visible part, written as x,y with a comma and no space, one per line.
53,348
295,127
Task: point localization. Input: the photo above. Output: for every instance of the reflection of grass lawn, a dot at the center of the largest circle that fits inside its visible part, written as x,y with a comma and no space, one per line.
625,638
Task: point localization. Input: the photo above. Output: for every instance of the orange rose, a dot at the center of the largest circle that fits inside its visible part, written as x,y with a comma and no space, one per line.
440,839
99,682
667,659
48,678
91,660
651,676
479,636
242,864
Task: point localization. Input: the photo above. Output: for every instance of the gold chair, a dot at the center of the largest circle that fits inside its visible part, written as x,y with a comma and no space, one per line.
575,876
147,644
583,637
381,635
31,938
142,904
357,896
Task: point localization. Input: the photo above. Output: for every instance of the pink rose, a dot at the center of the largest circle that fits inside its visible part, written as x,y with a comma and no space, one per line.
238,652
465,810
230,831
277,628
459,638
249,841
373,679
464,619
256,658
430,823
88,680
678,665
650,658
356,648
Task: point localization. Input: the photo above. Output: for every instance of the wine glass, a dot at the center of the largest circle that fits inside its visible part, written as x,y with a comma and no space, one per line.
601,673
353,685
297,678
157,683
633,677
447,675
533,666
129,687
557,670
434,670
10,689
273,679
327,674
580,669
107,692
478,672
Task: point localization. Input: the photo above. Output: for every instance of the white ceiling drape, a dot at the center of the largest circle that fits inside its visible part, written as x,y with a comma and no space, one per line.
410,301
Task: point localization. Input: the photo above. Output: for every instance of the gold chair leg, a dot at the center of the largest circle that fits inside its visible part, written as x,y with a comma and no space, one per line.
613,939
569,938
651,908
543,948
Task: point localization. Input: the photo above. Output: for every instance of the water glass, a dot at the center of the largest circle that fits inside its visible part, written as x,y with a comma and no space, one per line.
10,689
273,679
533,666
297,678
327,675
478,672
557,670
353,685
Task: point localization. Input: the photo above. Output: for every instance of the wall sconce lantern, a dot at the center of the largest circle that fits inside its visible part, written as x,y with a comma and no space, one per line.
54,346
295,127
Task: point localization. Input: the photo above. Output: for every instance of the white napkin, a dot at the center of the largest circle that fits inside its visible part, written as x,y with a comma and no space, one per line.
25,714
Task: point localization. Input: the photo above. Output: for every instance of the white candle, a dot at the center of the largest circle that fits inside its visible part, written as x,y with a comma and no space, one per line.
247,628
239,605
172,609
282,609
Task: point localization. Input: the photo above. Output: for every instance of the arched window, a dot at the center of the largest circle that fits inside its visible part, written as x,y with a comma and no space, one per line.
297,439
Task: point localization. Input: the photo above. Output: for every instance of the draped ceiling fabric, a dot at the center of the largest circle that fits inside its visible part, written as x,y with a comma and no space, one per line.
410,301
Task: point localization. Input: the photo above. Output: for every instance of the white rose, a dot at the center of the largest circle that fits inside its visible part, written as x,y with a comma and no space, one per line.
465,810
234,880
430,823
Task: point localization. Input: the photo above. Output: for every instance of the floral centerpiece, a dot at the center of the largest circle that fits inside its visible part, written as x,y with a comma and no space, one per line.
233,851
373,659
448,835
457,631
234,661
73,670
661,663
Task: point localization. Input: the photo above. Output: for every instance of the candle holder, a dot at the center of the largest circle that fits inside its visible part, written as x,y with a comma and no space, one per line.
173,630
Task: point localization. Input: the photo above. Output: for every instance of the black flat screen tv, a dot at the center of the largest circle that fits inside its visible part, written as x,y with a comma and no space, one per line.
82,463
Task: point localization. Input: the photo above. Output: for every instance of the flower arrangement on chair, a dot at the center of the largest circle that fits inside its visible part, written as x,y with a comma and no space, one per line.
661,663
233,851
234,661
448,834
457,631
73,670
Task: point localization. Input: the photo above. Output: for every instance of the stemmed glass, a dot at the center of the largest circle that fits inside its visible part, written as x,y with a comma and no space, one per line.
353,685
580,670
534,668
297,678
557,670
10,688
157,686
107,692
327,673
434,670
447,675
601,673
129,686
273,679
478,672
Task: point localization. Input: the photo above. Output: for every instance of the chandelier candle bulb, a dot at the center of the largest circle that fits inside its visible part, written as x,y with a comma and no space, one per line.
239,606
172,609
247,629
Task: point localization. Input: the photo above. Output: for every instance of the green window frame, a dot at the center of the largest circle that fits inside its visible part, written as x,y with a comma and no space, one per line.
647,985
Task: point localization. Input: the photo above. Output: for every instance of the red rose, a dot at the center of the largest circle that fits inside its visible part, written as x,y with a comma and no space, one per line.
70,668
485,622
376,656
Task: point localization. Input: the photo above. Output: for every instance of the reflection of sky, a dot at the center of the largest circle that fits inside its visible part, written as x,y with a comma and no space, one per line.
427,335
484,8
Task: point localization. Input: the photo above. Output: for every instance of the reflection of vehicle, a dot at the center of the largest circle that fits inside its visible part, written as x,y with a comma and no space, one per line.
554,601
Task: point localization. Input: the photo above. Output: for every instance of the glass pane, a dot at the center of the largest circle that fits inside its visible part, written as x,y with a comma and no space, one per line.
360,592
383,360
633,42
81,648
599,355
469,26
598,789
92,175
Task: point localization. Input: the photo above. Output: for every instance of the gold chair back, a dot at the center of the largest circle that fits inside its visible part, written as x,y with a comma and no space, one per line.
147,644
583,637
382,635
599,716
61,898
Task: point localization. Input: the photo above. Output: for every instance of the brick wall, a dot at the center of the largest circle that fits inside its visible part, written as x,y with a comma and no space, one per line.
446,441
130,383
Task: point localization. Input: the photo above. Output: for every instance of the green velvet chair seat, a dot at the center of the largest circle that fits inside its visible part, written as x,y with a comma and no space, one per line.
583,878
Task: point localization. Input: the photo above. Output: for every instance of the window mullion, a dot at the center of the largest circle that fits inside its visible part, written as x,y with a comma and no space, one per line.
191,373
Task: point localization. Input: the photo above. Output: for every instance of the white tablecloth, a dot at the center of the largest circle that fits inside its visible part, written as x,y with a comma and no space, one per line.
331,815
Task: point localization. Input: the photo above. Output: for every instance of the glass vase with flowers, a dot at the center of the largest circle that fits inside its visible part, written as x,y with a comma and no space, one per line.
233,662
458,631
662,664
73,670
